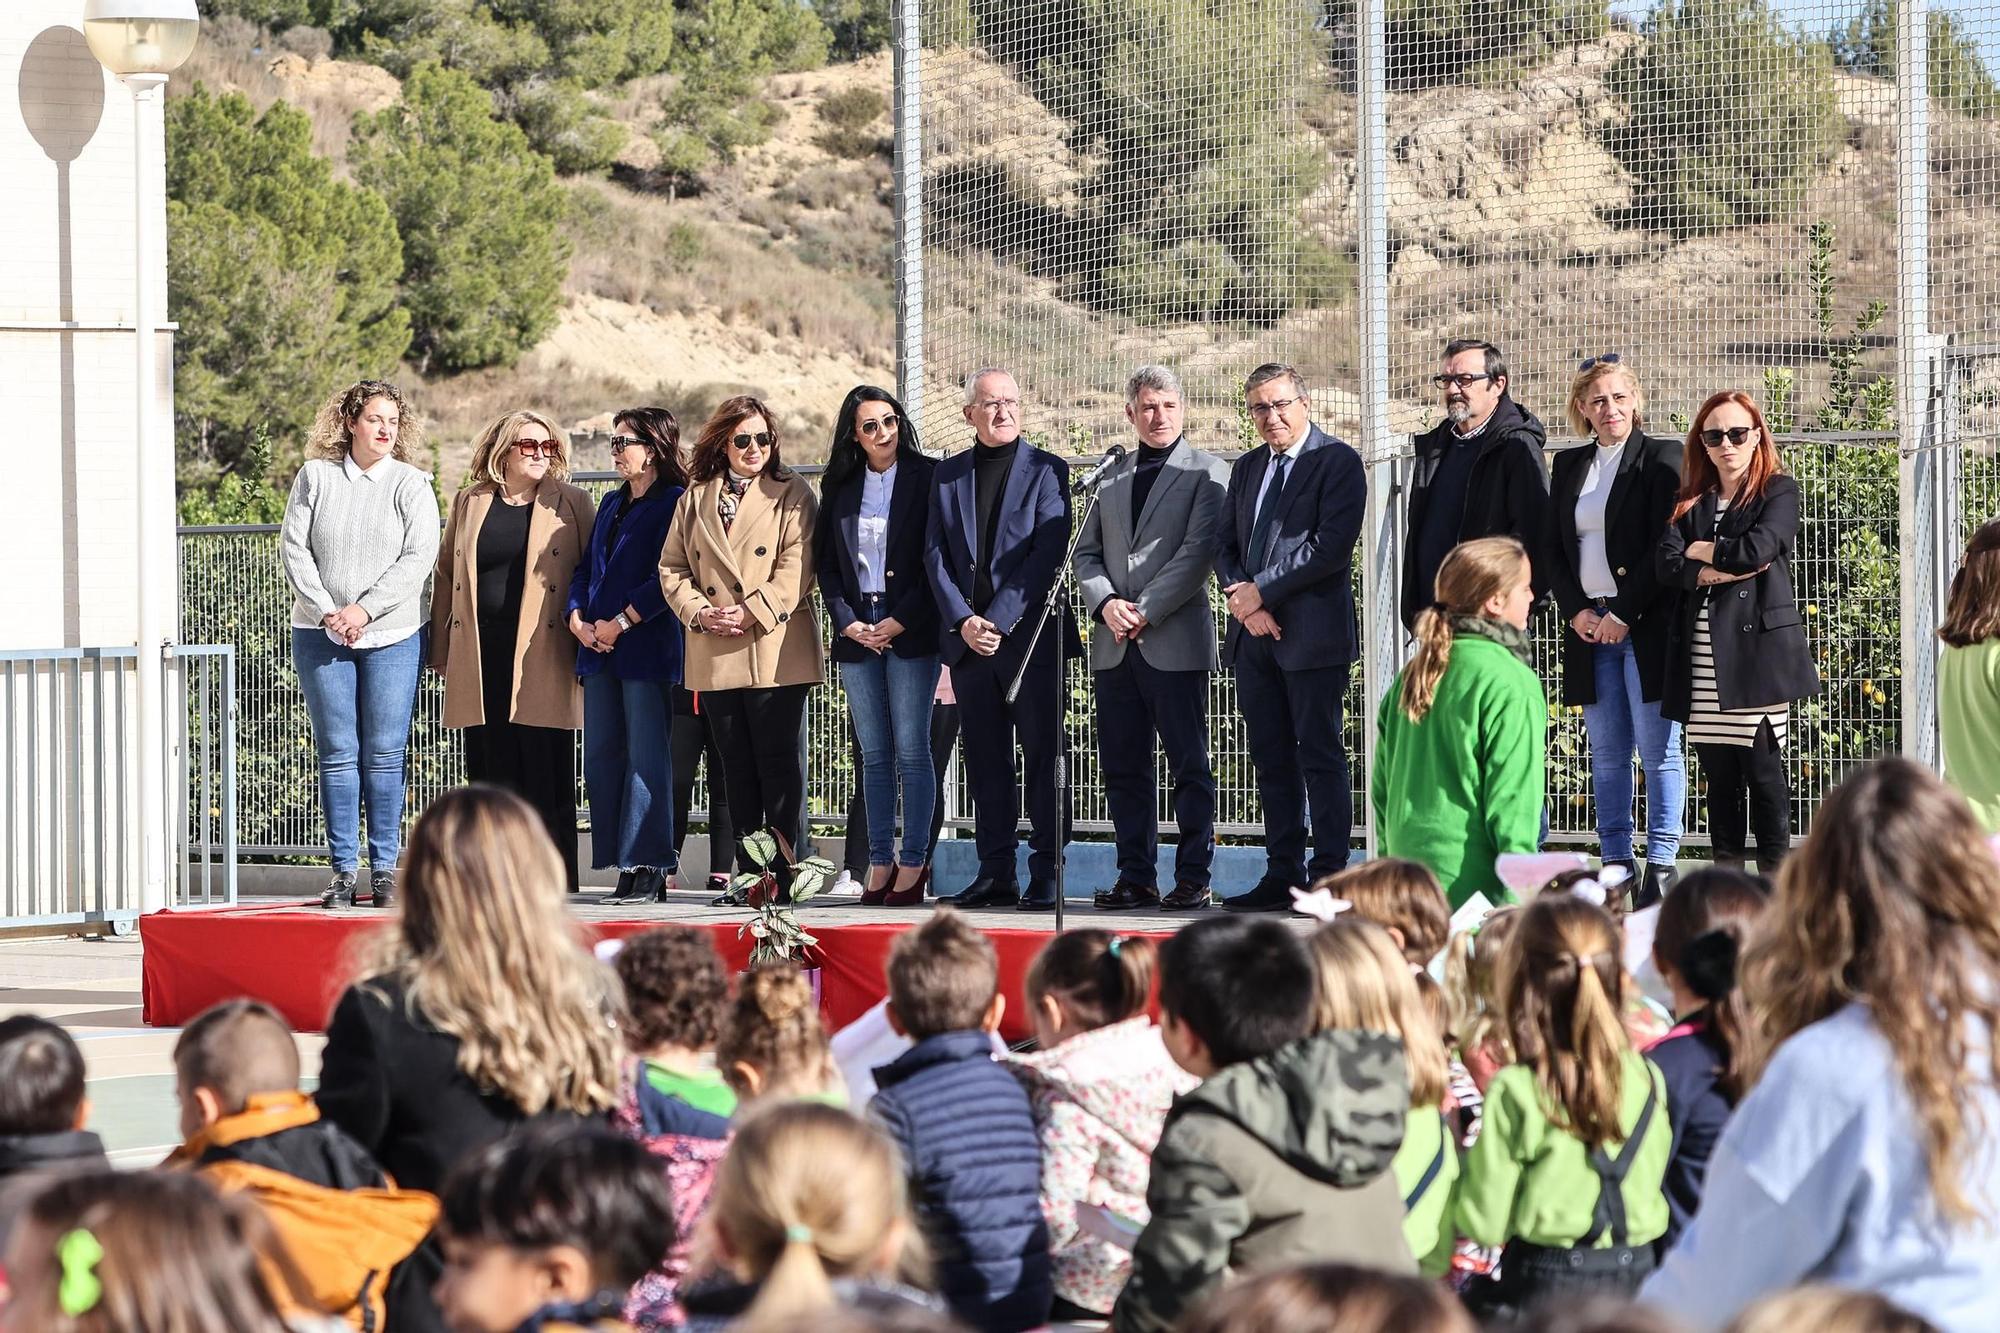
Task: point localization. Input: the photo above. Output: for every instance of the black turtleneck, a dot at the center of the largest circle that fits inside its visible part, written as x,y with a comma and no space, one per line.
1151,460
990,465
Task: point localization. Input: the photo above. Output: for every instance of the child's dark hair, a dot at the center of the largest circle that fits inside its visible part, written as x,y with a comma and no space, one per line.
1400,895
1616,897
1700,934
565,1184
675,989
942,976
41,1077
1099,978
773,1026
1244,985
236,1050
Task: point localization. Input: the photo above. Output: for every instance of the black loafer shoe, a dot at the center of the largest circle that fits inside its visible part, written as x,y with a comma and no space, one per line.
1270,895
382,888
1040,897
340,893
983,893
1125,896
1187,898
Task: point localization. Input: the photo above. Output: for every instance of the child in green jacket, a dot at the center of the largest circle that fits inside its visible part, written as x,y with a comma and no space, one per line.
1458,775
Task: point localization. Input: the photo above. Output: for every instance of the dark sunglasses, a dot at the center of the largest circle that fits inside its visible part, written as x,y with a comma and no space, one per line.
878,426
762,439
620,443
1603,359
1736,434
536,448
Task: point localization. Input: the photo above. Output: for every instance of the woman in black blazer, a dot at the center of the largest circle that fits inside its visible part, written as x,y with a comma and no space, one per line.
874,507
1611,501
1736,651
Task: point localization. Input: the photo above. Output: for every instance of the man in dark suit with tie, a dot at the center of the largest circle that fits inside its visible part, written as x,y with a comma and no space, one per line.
1142,561
999,528
1293,515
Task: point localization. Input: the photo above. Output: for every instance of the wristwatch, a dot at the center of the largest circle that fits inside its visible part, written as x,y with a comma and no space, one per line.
623,623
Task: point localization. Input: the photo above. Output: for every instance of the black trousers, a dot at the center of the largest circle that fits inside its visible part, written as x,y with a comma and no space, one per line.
757,736
1136,702
692,739
989,728
1755,771
539,765
1294,721
944,735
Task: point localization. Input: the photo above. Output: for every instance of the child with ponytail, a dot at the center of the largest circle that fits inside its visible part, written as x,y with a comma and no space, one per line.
1702,929
1100,1086
808,1217
1458,775
772,1043
1568,1165
1365,984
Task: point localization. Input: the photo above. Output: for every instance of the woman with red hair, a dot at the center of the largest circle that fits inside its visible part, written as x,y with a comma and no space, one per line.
1736,649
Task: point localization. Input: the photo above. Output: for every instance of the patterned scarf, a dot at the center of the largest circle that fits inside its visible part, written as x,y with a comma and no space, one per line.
1495,631
734,488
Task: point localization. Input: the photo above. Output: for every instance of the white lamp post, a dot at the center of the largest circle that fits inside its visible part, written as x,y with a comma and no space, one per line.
142,42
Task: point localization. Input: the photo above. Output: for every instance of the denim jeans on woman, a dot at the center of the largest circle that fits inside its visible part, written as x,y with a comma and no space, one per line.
889,698
1620,722
360,700
628,771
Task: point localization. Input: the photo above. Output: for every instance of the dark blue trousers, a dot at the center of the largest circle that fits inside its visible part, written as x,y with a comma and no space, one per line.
1294,721
1136,702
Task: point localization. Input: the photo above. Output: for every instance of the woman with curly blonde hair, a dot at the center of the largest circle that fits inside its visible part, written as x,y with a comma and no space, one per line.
480,1008
359,535
1864,1153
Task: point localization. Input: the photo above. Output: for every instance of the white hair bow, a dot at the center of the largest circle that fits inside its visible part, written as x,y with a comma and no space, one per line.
1320,903
1526,872
1598,891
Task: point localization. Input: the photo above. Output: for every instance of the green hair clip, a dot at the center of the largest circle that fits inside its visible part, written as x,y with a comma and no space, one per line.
79,1254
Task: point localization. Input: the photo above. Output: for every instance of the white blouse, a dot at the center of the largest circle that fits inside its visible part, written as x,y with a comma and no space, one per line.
1592,565
877,490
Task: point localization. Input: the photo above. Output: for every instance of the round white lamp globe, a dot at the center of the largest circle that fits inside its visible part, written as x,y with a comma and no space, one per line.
141,36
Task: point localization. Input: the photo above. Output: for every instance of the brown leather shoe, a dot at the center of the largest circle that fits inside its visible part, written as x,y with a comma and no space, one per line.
1125,896
1187,898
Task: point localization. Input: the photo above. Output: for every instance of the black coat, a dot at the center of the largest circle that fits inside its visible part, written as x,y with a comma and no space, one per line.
1642,503
393,1083
838,539
1507,496
1755,630
1307,578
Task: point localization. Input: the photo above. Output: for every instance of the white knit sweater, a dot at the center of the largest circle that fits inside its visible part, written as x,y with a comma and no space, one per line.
368,538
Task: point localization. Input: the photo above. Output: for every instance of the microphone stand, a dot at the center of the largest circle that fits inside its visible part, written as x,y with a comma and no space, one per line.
1051,609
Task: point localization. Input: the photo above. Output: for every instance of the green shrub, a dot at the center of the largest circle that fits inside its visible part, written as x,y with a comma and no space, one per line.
1730,117
1959,77
481,213
1432,42
856,27
594,42
560,121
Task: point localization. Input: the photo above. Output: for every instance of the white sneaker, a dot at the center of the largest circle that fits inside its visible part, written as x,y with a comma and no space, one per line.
846,886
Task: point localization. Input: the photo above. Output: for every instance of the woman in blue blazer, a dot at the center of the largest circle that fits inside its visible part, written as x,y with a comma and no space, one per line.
630,658
874,508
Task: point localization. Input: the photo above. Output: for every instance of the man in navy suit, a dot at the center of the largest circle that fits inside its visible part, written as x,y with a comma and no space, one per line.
1285,563
999,529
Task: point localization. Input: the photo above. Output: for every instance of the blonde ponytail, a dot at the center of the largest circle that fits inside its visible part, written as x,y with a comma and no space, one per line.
1563,992
1473,573
797,1283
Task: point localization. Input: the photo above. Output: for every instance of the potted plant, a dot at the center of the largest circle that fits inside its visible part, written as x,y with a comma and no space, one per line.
776,935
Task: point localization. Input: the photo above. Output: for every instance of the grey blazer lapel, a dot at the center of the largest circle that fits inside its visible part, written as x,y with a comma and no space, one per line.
1174,472
1114,510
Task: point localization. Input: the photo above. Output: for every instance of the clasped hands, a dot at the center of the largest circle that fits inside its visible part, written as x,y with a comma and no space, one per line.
1124,619
600,636
347,623
875,638
1246,603
981,635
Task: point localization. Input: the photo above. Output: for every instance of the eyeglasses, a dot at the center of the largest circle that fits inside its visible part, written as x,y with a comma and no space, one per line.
620,443
1275,405
996,404
1457,381
536,448
879,426
762,439
1736,435
1602,359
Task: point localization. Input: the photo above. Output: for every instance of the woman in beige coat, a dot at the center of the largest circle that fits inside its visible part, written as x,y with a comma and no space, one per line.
738,571
497,635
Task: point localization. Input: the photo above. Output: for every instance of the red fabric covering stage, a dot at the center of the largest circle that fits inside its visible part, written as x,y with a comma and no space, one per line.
295,960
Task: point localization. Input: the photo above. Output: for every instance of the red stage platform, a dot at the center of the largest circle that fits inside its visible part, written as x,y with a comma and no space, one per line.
294,956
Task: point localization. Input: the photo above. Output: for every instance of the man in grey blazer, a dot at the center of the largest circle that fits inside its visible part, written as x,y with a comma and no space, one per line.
1143,561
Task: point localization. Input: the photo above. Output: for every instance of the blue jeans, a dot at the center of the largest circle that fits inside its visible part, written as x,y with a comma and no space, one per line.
628,770
360,700
890,698
1620,722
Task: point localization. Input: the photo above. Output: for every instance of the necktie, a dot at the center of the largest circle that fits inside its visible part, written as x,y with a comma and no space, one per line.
1267,513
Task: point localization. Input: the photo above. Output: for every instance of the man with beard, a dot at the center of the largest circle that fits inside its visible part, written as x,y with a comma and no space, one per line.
1479,473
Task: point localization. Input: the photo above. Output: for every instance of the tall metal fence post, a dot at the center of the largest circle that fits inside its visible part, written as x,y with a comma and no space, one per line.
909,208
1923,524
1381,630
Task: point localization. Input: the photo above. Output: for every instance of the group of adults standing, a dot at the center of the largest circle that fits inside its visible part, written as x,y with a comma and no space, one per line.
675,616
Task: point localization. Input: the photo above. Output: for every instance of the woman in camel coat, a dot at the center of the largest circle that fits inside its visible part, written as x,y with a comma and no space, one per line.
738,571
497,610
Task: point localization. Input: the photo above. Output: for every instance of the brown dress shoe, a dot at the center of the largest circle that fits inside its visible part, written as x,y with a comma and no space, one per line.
1187,898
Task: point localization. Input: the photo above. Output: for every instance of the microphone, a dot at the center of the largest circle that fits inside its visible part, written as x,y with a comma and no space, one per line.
1104,465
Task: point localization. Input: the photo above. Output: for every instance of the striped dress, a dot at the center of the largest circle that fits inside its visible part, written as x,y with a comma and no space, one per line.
1709,723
